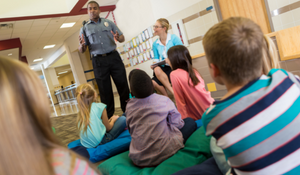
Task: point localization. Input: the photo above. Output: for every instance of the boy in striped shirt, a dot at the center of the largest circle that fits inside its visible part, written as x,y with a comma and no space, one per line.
257,123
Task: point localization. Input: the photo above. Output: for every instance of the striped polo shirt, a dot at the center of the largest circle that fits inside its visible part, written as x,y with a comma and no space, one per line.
258,127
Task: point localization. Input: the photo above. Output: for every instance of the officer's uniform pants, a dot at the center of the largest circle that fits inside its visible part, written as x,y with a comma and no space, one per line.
104,67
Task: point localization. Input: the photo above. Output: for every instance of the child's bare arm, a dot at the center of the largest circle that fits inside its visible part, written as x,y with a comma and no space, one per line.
108,123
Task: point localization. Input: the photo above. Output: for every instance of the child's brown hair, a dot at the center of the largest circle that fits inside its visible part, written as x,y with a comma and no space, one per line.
235,46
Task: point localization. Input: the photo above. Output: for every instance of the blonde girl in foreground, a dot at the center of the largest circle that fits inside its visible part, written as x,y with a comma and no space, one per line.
28,144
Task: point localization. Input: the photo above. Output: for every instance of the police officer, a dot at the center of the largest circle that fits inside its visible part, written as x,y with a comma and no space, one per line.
99,35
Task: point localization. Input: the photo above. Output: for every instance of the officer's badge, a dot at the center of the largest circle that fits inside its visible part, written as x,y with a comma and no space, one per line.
106,24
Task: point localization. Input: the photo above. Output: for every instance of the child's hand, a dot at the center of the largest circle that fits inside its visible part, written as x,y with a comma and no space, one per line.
113,118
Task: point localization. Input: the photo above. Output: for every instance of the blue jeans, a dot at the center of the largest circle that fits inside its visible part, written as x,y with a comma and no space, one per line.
117,129
188,129
208,167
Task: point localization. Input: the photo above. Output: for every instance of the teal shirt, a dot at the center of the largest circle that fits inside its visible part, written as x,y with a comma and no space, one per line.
96,131
160,51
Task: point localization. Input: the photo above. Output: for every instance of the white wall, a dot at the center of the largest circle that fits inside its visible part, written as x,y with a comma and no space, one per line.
133,16
165,8
286,20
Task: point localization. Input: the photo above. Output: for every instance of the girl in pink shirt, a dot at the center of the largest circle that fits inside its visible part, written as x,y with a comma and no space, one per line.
191,97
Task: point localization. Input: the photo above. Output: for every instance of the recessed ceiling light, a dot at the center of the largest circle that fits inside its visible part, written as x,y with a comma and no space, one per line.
49,46
39,59
66,25
31,68
62,72
9,54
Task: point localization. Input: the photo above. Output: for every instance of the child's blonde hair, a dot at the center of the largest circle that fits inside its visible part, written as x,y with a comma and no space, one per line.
270,56
27,139
85,95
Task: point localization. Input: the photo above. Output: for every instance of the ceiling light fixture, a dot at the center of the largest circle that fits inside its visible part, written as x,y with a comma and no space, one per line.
9,54
49,46
66,25
39,59
31,68
62,72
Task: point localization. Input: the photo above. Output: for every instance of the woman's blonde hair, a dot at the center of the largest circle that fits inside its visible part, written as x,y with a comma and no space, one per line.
270,55
164,23
25,128
86,95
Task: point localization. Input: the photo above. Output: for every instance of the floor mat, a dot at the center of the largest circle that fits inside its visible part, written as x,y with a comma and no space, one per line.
66,127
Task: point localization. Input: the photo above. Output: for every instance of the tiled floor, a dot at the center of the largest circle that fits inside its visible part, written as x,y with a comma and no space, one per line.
66,127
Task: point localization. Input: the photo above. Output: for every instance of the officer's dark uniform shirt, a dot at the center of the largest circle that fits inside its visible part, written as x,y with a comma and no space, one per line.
98,36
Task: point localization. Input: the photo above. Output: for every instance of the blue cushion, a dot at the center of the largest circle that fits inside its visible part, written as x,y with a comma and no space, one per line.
116,146
199,123
101,152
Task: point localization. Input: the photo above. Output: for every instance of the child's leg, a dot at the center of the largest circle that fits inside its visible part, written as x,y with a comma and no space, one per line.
117,129
189,127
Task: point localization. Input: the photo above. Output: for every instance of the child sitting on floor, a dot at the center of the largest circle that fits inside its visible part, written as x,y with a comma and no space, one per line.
93,123
28,144
154,123
257,122
191,97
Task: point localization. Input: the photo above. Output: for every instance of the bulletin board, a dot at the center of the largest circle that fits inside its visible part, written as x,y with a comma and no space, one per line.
139,48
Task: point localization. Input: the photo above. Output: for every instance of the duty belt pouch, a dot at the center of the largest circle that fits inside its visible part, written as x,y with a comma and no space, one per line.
95,61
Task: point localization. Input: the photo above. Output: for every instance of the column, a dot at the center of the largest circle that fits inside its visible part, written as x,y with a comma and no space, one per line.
76,66
49,85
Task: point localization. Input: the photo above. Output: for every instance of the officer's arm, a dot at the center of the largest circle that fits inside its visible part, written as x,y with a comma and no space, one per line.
82,48
115,29
82,43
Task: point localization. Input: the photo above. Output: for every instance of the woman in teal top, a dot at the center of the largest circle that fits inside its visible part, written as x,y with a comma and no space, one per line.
94,126
161,79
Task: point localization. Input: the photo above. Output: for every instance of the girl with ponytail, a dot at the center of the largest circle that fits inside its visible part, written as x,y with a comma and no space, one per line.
189,88
93,123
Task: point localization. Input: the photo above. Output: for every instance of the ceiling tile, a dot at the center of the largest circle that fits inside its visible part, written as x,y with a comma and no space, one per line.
20,33
38,28
40,22
62,30
31,37
49,31
26,23
5,31
47,35
22,30
55,23
31,40
22,37
44,38
5,37
72,19
35,32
